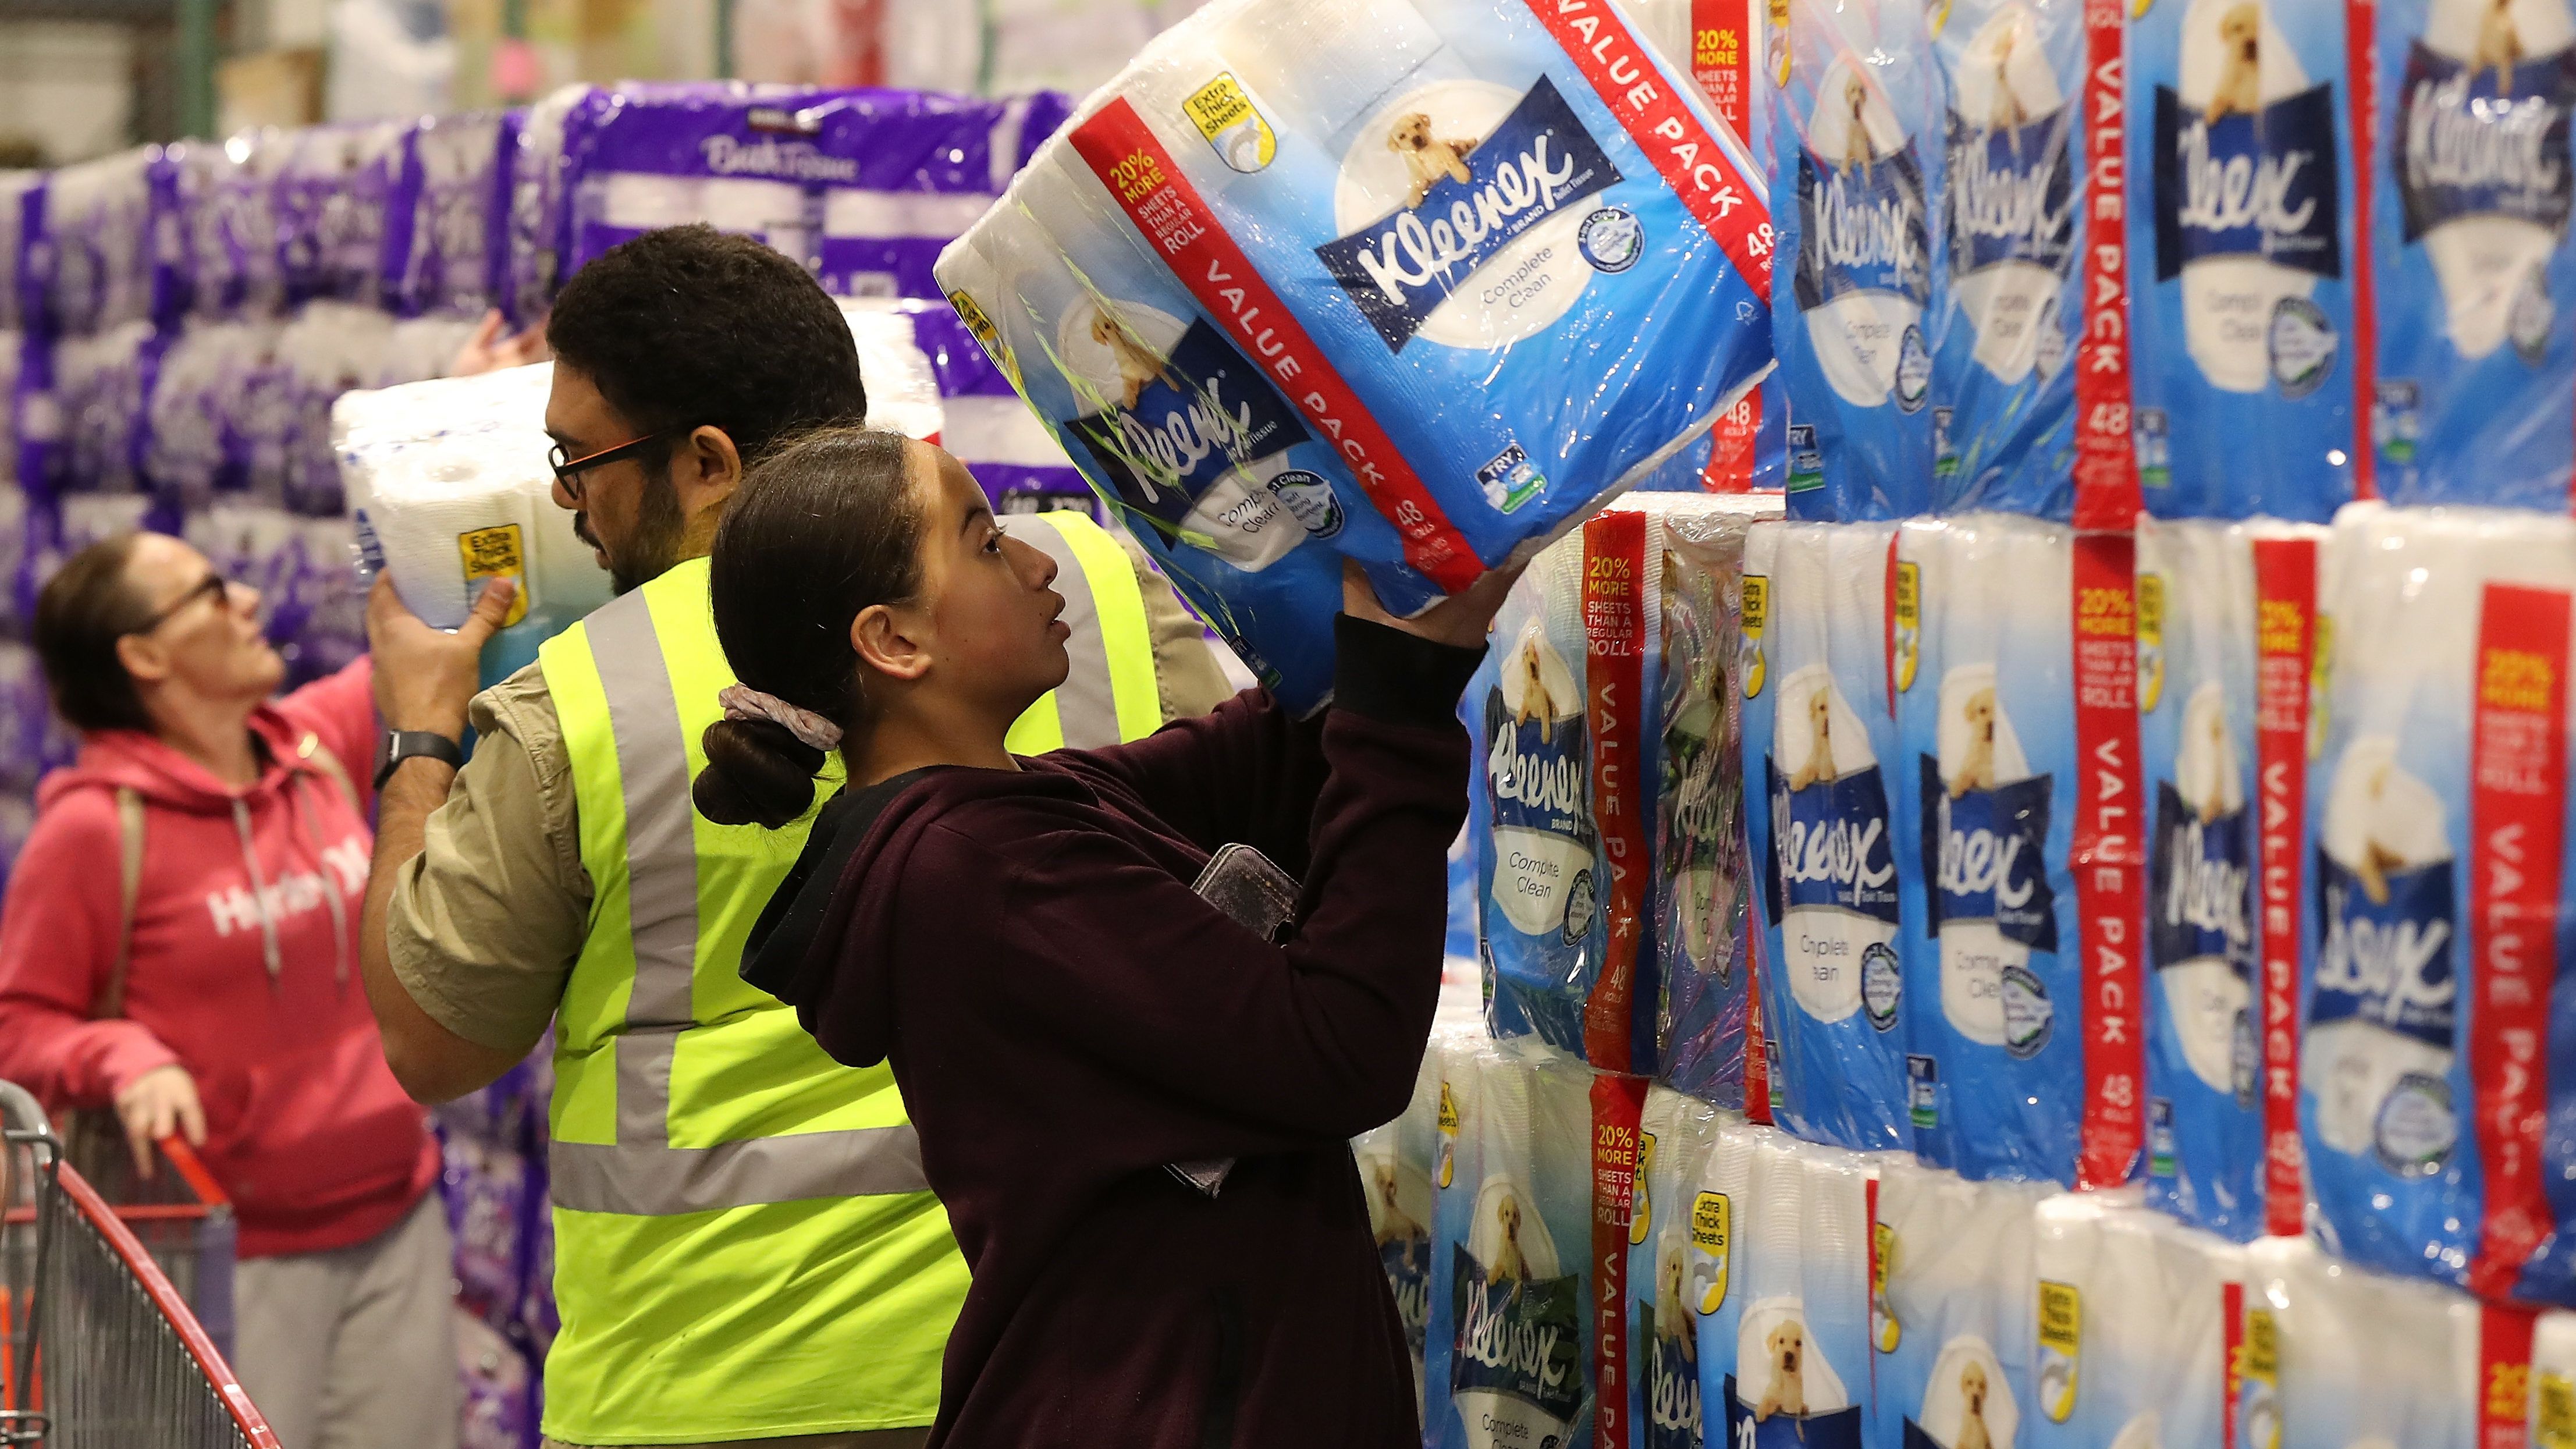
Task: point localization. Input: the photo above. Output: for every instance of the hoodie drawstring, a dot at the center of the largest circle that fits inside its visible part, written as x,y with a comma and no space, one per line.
298,783
258,892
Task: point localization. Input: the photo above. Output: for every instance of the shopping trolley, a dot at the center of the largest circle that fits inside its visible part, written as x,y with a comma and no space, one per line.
103,1310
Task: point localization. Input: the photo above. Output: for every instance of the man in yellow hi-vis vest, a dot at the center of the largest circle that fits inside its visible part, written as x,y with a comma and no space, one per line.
745,1249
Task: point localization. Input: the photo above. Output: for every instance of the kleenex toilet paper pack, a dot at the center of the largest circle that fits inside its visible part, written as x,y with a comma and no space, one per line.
2474,275
1802,1352
1858,132
2433,1007
1515,1222
1498,254
1216,473
2337,1357
2196,716
2003,392
1397,1165
1994,988
2134,1329
1703,879
1675,1135
1952,1329
1829,829
1542,878
2241,312
1721,1230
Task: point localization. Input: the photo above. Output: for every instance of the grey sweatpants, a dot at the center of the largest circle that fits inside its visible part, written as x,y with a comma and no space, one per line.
354,1348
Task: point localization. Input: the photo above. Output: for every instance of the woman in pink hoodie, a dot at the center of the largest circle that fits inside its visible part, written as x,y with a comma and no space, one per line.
241,1023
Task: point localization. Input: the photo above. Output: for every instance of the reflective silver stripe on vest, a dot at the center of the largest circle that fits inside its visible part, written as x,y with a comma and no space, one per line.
643,1173
1086,703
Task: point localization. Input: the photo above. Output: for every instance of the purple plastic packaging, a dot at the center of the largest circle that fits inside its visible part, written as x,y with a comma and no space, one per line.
862,186
334,192
499,1411
486,1193
103,382
228,214
22,718
102,244
439,236
534,224
988,428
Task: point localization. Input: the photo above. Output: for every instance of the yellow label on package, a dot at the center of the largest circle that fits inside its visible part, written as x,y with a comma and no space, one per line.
1712,1229
1448,1135
496,553
1757,607
1909,623
1641,1215
2061,1338
1232,124
2553,1418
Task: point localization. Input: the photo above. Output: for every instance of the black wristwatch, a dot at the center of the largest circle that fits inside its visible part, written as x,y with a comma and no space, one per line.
401,745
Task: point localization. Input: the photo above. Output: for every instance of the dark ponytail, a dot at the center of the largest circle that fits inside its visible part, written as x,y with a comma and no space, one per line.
824,527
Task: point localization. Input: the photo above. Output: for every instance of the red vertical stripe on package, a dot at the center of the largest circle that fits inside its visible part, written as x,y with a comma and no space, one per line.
2285,602
2231,1307
1730,446
2361,67
1722,64
1614,642
1171,214
1617,1103
1757,1058
2106,466
2504,1376
1722,60
2518,772
2110,819
1664,126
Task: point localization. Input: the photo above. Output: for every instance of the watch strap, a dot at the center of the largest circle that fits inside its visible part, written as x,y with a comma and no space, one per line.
401,745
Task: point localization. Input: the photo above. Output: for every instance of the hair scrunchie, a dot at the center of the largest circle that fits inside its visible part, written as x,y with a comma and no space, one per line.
741,701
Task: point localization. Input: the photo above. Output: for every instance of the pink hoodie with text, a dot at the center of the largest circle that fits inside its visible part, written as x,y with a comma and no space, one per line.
244,967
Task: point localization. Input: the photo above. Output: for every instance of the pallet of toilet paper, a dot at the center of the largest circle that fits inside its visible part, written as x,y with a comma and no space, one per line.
1417,284
1582,1260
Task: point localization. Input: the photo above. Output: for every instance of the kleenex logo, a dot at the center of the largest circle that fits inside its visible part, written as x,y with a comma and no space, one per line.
2199,886
1833,844
769,156
1536,771
1400,268
2388,960
1672,1387
2467,145
1986,857
1862,227
2247,185
1206,412
1519,1337
2010,194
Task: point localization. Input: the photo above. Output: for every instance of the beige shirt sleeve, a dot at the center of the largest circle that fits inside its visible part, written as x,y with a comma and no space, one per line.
488,919
1186,673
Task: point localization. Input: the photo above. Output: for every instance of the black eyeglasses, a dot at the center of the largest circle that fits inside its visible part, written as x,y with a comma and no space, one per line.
212,586
568,470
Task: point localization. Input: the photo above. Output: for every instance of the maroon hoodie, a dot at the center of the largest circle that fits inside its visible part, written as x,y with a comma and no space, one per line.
244,968
1065,1017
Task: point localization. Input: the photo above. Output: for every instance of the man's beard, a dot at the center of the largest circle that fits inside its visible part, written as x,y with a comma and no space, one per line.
655,545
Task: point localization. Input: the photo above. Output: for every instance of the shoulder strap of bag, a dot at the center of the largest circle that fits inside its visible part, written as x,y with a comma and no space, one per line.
129,830
312,748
